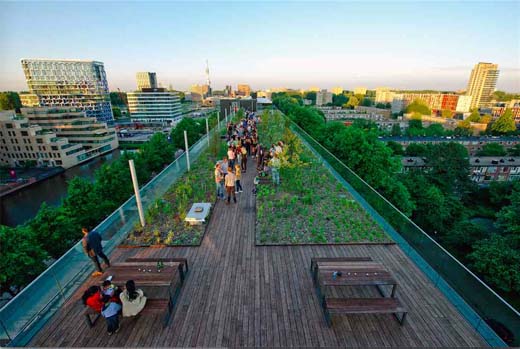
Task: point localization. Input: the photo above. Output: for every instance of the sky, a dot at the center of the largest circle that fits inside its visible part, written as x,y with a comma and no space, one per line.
404,45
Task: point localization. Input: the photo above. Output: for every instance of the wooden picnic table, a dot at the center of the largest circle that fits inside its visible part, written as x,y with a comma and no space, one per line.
354,272
157,284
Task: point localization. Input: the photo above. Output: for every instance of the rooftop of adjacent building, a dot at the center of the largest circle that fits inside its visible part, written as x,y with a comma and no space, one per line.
60,60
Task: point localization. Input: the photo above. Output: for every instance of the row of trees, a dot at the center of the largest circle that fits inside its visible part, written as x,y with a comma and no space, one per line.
439,200
26,250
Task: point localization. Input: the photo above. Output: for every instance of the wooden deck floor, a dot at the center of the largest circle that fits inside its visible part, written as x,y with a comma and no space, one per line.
237,294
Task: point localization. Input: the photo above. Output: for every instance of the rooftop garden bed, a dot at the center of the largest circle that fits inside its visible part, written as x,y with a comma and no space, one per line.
165,224
309,206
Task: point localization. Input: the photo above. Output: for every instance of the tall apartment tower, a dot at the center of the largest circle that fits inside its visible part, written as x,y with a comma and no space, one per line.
68,83
146,80
482,83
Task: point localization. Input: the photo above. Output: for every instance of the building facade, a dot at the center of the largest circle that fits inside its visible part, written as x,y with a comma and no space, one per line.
68,83
463,104
95,137
23,144
146,80
384,95
483,169
243,90
360,91
482,83
323,97
154,106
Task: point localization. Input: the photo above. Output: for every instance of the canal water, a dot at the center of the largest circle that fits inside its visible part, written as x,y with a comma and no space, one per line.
23,204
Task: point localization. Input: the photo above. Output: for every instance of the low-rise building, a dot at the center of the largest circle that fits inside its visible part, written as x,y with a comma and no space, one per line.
483,169
23,144
372,110
243,90
360,91
472,144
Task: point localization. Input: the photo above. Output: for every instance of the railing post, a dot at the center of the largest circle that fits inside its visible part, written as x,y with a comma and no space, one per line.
5,330
58,284
187,149
136,191
207,130
218,120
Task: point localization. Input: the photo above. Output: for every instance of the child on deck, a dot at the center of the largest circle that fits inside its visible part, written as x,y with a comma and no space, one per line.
110,312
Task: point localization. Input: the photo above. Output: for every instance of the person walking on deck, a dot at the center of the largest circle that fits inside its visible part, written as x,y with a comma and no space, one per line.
238,175
91,243
230,186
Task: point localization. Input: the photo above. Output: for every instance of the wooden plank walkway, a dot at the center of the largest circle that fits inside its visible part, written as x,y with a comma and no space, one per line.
237,294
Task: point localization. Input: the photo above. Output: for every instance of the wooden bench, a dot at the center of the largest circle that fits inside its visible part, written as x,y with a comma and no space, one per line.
158,306
316,260
88,312
335,306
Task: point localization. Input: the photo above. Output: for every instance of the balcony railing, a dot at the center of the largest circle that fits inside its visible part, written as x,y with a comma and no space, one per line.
475,300
27,313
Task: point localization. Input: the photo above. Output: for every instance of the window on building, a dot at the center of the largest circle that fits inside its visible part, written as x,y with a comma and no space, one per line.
24,133
39,140
8,125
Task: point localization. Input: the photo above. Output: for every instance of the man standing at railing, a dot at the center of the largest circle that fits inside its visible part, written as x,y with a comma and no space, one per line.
92,246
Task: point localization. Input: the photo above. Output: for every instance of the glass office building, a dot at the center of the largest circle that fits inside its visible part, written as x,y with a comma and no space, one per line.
68,83
154,106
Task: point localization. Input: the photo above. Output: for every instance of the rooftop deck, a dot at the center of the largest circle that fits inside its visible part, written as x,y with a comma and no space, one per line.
238,294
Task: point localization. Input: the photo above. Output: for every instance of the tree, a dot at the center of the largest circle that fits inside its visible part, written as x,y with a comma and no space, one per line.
311,95
193,128
339,100
54,230
514,150
352,102
118,99
492,149
397,148
418,106
447,114
474,117
10,101
366,102
461,237
84,204
449,163
485,119
504,124
416,149
497,261
396,130
22,258
435,130
116,112
509,216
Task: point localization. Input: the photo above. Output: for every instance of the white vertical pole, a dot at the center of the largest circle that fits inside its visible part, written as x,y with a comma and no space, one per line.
136,191
226,114
218,119
187,149
207,130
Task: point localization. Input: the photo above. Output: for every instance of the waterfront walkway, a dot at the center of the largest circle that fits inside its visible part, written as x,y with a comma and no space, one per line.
239,294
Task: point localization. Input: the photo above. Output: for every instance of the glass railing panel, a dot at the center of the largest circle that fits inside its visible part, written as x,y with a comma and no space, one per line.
474,300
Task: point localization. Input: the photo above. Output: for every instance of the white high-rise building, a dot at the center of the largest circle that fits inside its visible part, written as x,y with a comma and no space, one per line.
482,83
68,83
146,80
157,106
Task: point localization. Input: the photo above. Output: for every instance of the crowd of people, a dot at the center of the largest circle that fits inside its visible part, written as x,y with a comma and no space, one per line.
242,143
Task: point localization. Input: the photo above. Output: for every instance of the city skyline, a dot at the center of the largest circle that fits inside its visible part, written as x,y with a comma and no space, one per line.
348,44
